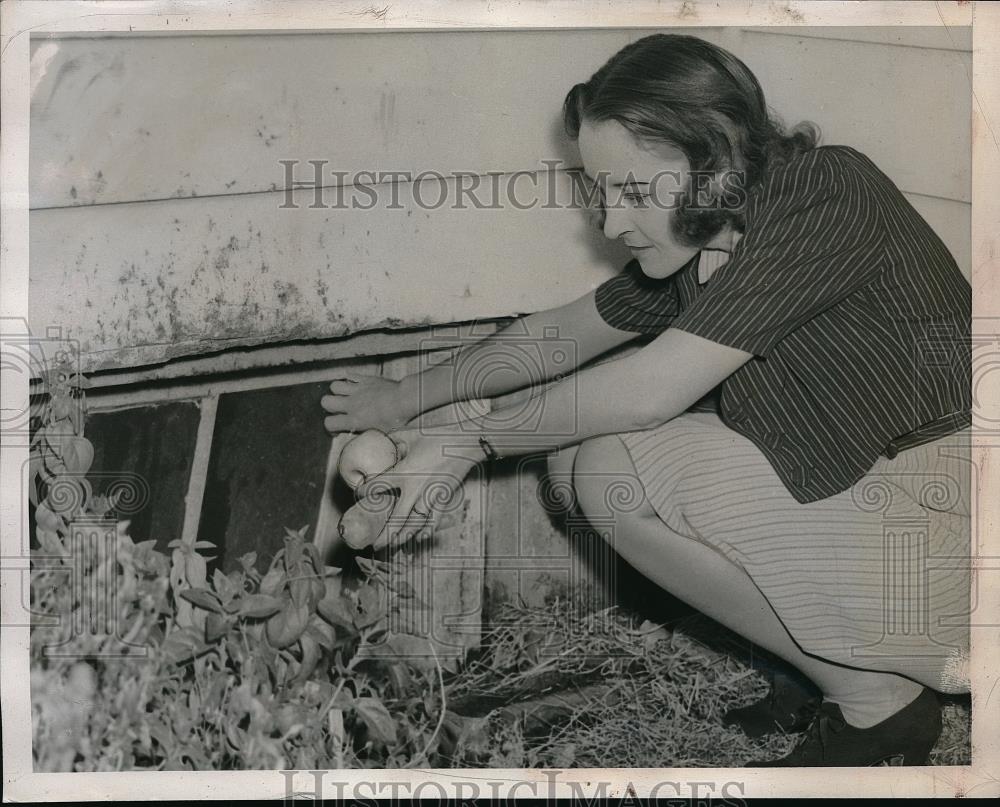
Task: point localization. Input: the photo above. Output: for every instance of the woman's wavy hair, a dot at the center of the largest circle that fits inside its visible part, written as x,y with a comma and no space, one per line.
687,93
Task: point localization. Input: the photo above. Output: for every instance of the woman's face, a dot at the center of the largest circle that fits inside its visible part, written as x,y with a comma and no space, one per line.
641,190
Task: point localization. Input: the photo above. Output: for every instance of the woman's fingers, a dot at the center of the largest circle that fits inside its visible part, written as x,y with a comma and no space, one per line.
334,424
411,514
416,520
364,525
332,404
342,386
414,527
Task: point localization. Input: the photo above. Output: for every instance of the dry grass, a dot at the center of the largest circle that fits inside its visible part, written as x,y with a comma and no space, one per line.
674,686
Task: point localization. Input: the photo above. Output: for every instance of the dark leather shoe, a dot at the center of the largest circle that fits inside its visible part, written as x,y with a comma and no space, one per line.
831,741
785,709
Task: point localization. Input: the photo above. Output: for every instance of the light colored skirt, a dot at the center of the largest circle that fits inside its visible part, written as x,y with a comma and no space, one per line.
876,577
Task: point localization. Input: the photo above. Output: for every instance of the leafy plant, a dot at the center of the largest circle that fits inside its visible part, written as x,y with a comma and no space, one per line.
298,665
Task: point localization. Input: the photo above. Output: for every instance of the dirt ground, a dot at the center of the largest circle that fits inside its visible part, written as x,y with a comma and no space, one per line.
557,689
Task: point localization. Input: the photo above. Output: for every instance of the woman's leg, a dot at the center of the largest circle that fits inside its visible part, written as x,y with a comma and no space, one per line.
705,579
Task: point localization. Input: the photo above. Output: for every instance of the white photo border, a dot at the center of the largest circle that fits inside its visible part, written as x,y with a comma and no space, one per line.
20,18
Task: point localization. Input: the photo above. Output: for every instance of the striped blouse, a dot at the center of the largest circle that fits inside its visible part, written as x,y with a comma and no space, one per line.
857,315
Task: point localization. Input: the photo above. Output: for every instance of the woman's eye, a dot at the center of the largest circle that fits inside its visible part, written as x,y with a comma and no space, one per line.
636,197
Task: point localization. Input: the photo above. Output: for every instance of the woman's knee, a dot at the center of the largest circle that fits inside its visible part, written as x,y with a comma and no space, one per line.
560,475
605,481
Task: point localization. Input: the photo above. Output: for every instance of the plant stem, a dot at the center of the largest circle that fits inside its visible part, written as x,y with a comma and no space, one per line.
444,711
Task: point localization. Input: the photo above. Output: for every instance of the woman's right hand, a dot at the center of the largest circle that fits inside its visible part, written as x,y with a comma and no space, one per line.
360,402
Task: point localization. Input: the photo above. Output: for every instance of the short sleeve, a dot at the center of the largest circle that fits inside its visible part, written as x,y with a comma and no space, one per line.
813,237
634,302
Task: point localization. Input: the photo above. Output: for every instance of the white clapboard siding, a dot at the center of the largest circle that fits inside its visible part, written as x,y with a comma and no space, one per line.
142,283
139,283
909,109
173,117
939,37
119,120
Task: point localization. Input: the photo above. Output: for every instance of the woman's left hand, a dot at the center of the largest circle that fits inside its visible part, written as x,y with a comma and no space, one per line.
428,478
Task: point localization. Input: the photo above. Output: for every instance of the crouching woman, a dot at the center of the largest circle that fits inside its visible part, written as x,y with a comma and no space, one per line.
823,511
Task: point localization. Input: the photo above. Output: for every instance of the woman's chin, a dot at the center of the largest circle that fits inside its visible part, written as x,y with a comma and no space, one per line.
658,269
653,270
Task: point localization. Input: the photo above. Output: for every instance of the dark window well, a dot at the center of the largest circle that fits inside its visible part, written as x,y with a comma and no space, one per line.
266,470
148,452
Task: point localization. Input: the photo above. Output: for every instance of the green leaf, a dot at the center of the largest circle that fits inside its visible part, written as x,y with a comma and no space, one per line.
259,606
147,559
299,534
372,606
317,590
317,562
299,589
224,586
50,542
35,467
338,611
367,565
76,419
78,455
286,626
278,559
52,463
47,520
236,736
100,505
403,589
377,718
401,647
311,654
216,626
183,644
323,634
401,678
333,585
269,656
81,381
62,406
293,552
272,582
248,562
196,569
203,599
159,732
57,434
213,698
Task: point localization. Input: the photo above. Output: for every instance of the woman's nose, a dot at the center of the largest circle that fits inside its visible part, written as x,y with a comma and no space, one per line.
615,221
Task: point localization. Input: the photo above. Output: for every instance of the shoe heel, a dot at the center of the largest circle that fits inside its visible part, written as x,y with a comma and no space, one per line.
917,756
918,753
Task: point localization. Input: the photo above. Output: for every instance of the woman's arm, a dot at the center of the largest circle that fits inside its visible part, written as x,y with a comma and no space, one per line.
501,363
635,393
524,354
639,391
